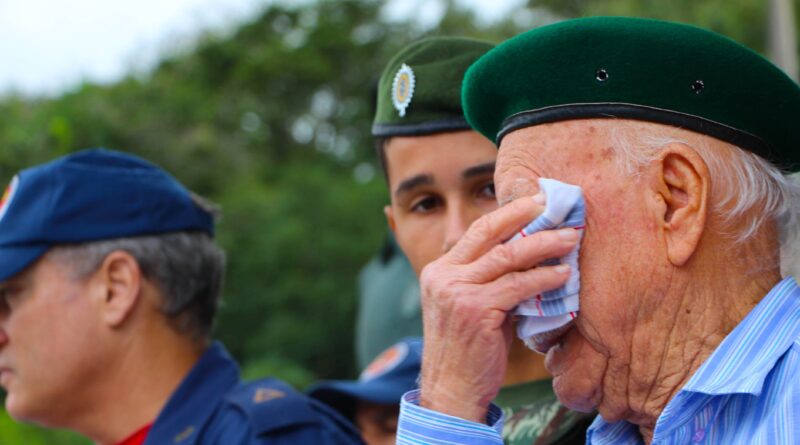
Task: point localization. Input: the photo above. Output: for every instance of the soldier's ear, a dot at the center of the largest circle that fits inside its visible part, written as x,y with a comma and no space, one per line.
118,285
387,211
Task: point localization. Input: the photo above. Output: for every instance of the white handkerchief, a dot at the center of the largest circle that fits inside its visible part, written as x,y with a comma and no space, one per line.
564,207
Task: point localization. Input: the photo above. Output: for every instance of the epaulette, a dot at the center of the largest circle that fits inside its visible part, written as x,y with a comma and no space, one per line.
271,404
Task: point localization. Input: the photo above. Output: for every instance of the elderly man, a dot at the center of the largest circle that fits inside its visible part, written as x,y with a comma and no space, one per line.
686,331
110,284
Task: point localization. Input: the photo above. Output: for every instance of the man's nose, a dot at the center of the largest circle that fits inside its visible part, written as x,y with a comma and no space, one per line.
459,219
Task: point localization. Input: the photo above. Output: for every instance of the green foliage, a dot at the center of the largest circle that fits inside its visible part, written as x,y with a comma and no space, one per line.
13,433
299,241
272,122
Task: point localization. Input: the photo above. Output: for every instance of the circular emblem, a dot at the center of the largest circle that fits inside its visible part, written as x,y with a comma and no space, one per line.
403,88
8,195
384,363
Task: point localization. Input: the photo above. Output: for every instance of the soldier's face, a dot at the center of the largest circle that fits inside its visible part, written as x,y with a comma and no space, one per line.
48,343
439,185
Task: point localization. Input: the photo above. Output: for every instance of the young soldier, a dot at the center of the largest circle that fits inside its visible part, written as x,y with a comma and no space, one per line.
440,177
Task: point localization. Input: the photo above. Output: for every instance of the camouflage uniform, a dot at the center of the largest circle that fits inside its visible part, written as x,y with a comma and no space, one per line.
535,417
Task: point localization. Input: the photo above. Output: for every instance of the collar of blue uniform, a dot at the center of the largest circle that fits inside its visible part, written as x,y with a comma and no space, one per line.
196,399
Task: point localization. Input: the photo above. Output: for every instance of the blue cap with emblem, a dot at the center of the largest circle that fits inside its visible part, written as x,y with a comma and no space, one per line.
91,195
384,381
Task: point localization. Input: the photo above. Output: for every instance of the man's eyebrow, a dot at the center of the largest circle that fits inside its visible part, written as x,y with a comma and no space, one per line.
413,182
478,170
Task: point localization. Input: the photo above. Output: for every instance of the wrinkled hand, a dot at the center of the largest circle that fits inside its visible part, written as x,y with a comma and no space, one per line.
467,297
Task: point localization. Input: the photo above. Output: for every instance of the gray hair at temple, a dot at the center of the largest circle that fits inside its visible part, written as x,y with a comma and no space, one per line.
746,186
186,267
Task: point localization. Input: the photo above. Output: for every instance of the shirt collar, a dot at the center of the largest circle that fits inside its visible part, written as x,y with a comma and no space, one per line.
744,358
197,397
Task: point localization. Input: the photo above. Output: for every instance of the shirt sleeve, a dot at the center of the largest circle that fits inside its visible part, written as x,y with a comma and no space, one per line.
418,425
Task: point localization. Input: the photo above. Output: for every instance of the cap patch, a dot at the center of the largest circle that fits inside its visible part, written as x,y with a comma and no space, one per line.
8,195
386,362
403,88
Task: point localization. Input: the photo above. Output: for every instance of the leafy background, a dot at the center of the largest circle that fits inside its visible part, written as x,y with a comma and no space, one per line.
272,122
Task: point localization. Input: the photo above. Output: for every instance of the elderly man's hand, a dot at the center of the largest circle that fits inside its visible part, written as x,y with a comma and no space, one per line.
467,296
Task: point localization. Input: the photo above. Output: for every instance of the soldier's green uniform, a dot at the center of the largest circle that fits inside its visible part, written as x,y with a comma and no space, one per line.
388,303
420,94
535,417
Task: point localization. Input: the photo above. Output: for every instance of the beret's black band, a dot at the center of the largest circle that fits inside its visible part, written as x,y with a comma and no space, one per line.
421,128
698,124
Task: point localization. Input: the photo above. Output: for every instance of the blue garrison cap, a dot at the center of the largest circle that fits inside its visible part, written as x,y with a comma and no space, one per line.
384,381
90,195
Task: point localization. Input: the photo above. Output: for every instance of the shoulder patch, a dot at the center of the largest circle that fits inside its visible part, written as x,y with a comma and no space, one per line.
263,395
269,404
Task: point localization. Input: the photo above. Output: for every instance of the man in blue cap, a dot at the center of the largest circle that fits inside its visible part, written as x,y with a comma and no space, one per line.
110,285
372,402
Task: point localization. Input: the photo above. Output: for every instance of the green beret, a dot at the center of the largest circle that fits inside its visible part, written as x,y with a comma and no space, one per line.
420,89
639,69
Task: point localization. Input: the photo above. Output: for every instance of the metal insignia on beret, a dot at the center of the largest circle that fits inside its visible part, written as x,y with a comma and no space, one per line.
403,88
5,201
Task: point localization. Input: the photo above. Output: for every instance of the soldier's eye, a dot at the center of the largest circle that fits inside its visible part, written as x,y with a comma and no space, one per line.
426,204
487,191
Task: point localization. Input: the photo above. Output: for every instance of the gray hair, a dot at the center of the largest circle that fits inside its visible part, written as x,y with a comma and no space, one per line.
743,182
186,267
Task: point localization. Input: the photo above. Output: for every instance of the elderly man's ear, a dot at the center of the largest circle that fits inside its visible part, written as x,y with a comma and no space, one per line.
117,287
681,184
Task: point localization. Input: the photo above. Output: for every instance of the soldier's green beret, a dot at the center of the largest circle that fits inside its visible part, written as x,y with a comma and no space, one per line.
639,69
419,91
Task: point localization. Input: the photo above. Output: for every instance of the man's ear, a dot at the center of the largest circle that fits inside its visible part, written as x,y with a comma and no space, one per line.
682,182
120,281
387,210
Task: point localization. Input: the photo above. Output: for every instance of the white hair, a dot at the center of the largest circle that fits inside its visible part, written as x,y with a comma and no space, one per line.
745,187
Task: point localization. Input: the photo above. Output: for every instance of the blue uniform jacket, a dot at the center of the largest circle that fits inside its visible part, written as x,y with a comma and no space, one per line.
211,406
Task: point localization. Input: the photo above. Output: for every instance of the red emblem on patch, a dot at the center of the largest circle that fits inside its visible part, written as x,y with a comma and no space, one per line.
387,361
5,201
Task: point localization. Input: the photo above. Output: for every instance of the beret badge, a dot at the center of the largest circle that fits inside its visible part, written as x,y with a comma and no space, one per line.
403,88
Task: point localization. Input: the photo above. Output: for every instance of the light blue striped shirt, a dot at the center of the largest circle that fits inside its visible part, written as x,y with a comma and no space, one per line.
747,392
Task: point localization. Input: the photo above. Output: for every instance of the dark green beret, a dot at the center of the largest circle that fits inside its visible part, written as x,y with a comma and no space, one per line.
420,89
640,69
